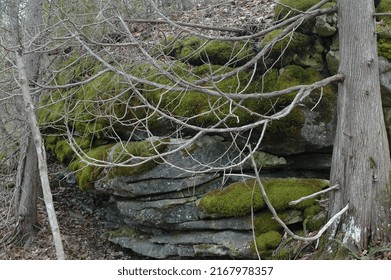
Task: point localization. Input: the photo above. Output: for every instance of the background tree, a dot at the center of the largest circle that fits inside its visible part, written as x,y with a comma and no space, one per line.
25,20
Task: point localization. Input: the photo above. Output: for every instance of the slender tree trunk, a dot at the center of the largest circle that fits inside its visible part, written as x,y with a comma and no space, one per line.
33,169
361,158
27,176
39,151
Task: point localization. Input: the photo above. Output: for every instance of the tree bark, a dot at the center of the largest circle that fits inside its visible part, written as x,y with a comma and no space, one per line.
27,209
39,151
361,158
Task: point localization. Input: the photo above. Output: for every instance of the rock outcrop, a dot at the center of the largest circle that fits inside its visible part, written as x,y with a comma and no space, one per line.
167,212
198,201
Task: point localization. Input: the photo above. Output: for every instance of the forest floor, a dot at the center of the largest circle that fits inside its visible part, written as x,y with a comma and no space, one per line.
81,225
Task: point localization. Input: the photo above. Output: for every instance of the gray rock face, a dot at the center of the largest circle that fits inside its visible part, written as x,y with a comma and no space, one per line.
188,245
158,213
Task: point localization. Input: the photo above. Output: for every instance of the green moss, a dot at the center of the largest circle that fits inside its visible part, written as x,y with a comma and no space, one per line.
131,152
314,223
197,107
123,232
384,41
235,200
312,211
63,150
87,174
265,221
384,7
189,49
314,218
267,241
289,6
296,41
227,52
93,109
291,125
293,48
199,51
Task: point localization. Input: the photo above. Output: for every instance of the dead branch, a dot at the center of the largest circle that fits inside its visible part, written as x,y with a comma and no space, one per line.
294,202
278,219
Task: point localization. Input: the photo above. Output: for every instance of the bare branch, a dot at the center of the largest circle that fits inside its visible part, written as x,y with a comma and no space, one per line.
294,202
278,219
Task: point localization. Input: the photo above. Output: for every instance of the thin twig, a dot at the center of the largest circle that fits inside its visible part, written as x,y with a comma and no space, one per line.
294,202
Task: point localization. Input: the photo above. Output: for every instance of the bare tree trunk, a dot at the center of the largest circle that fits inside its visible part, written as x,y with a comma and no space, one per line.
361,158
27,176
39,151
33,169
27,210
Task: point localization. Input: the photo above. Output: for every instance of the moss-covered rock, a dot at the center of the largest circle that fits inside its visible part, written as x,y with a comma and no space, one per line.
384,7
92,109
326,25
294,48
384,41
267,242
199,51
293,132
265,221
290,8
201,109
239,198
127,153
314,218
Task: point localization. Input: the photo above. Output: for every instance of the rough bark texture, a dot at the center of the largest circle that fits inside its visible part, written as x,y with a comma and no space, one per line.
361,161
27,210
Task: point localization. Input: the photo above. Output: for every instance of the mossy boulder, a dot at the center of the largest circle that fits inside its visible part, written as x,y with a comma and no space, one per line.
290,8
307,127
267,242
321,25
89,168
199,51
265,221
94,109
326,25
293,48
239,198
202,109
